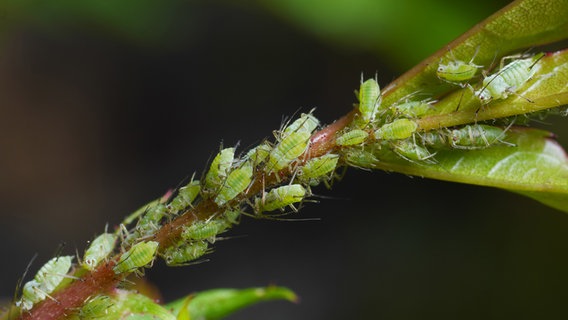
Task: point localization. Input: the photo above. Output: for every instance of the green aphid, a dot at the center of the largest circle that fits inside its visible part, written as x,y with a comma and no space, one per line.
184,253
396,130
98,307
219,168
46,280
509,79
369,100
456,71
435,139
204,230
186,195
412,109
237,181
476,136
362,158
258,154
409,150
317,168
138,256
289,149
99,250
351,138
232,216
280,197
306,123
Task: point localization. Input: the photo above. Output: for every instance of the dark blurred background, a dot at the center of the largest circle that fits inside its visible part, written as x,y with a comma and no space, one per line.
106,105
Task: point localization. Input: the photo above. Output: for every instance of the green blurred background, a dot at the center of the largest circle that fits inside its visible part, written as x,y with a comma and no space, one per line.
105,105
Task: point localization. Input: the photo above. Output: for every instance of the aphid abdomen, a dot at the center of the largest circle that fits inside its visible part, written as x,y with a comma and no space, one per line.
99,250
319,167
409,150
185,197
369,100
136,257
204,230
398,129
219,168
237,181
306,122
288,150
258,154
53,272
352,137
476,136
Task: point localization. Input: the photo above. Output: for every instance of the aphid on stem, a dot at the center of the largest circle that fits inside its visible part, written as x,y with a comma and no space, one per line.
457,71
138,256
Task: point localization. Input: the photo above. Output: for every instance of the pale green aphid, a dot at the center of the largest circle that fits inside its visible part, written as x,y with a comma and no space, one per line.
289,149
280,197
435,139
219,168
456,71
237,181
409,150
180,255
306,122
317,168
98,307
258,154
148,223
204,230
99,250
476,136
185,197
361,158
398,129
136,257
45,281
352,138
369,100
412,109
508,79
232,216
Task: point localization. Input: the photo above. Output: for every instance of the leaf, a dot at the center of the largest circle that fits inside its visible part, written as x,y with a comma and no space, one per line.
536,166
219,303
522,24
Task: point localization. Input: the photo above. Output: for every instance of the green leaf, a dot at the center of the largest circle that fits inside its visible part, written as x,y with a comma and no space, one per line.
536,166
219,303
522,24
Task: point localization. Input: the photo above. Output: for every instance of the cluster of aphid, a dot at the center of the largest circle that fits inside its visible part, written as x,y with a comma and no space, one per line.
394,127
229,178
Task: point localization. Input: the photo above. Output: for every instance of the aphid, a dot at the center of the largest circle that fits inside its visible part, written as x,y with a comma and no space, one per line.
412,109
306,122
219,168
182,254
288,150
316,168
476,136
362,158
204,230
457,71
398,129
98,307
280,197
99,249
237,181
258,154
352,137
508,79
369,100
435,139
232,216
136,257
409,150
45,281
185,197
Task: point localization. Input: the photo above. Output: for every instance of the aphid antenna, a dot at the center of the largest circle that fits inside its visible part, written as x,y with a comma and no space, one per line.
19,284
59,249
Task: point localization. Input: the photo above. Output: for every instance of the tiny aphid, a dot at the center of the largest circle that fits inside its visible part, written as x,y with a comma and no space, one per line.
185,252
369,100
456,71
280,197
45,281
136,257
258,154
289,149
357,157
185,197
409,150
99,250
237,181
306,122
509,79
412,109
476,136
204,230
317,168
98,307
435,139
398,129
219,168
351,138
